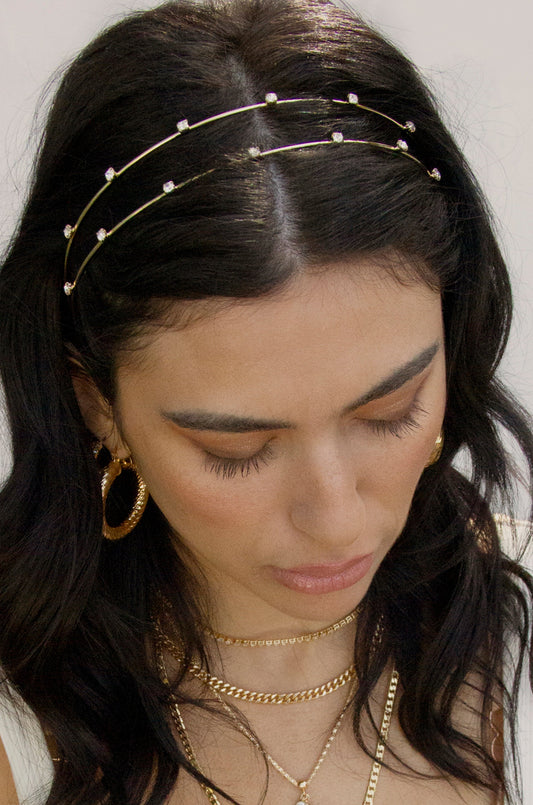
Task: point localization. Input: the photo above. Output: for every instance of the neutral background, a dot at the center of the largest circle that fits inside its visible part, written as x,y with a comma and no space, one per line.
477,56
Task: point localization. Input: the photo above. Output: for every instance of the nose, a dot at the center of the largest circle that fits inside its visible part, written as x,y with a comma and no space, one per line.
327,505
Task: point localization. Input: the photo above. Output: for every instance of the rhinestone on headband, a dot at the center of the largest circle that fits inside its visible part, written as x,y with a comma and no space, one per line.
183,126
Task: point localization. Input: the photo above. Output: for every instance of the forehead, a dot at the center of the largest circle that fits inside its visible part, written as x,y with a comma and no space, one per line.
345,325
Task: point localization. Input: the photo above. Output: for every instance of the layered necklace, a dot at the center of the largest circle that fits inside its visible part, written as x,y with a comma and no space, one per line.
220,688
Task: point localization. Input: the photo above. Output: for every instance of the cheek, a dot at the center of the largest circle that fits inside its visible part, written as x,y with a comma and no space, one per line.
390,477
412,462
415,460
192,497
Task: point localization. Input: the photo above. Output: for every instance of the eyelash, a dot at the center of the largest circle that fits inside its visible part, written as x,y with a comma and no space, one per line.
230,467
407,423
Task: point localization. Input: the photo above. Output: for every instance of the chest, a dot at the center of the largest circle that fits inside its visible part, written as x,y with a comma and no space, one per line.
344,776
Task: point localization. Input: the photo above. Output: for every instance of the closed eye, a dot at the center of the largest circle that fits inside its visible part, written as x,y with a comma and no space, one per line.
230,467
400,426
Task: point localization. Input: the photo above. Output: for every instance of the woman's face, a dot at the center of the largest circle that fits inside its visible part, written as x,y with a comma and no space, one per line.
283,439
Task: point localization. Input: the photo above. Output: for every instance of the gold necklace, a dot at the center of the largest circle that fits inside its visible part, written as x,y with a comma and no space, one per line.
180,724
283,641
304,795
221,687
302,785
380,747
226,688
382,740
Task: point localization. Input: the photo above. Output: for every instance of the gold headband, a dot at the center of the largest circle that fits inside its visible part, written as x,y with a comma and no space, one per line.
183,126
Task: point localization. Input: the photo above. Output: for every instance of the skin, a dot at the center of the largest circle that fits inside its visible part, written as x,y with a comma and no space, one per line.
330,484
8,794
330,394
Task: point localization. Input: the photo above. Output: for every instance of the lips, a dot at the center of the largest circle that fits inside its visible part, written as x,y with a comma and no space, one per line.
324,578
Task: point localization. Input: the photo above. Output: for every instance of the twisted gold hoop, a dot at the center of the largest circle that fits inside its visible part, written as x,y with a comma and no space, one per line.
111,473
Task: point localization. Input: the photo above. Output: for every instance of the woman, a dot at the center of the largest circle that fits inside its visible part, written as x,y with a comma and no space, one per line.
234,414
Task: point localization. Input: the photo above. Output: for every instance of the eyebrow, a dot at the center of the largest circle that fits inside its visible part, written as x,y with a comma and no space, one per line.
230,423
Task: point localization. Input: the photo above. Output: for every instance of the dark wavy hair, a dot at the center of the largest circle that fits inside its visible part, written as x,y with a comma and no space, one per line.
75,609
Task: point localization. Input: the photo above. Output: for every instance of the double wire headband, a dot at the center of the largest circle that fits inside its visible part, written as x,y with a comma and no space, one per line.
183,127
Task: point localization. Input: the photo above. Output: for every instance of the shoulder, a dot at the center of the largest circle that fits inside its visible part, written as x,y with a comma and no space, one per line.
8,793
25,763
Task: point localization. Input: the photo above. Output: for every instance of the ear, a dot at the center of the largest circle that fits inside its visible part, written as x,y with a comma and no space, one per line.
97,412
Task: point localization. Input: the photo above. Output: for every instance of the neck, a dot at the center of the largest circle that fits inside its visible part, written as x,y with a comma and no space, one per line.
284,668
288,640
290,666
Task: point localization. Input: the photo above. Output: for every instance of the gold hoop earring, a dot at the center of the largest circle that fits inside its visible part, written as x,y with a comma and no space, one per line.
437,450
111,473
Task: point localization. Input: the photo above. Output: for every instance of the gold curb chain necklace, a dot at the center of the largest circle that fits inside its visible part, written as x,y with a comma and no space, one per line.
219,686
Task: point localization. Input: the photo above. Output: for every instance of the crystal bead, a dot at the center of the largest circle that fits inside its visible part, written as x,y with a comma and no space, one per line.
169,186
435,174
353,98
254,151
271,97
68,230
110,174
101,235
337,137
410,126
402,145
183,125
68,287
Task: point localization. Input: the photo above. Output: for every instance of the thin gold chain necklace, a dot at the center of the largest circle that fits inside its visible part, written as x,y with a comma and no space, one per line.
302,785
258,697
228,640
283,641
304,796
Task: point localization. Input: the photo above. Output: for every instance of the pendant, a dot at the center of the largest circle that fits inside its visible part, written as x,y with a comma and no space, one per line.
304,796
